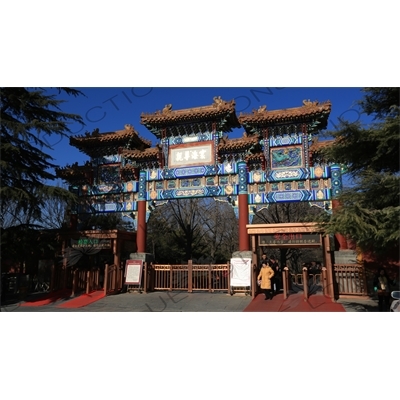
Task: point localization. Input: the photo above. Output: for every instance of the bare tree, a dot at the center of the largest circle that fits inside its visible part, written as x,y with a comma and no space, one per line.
192,229
176,227
222,230
54,213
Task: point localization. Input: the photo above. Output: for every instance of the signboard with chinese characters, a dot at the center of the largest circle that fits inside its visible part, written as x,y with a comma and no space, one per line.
189,154
290,239
93,243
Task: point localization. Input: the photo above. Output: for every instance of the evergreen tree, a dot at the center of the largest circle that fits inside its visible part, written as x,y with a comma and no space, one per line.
27,116
369,211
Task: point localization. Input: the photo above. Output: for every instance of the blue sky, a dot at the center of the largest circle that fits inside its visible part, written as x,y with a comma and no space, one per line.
109,109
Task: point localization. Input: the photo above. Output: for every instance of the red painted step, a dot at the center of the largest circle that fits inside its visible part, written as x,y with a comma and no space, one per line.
294,303
83,300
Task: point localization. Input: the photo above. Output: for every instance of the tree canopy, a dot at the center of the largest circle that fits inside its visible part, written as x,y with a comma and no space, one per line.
369,211
29,204
27,116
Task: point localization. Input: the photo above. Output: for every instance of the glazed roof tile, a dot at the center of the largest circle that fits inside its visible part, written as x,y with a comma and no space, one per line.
307,112
318,145
217,111
238,144
75,172
146,154
97,144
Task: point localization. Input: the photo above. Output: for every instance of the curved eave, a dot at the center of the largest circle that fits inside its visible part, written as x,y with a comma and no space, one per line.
255,157
240,144
145,155
213,113
73,175
98,144
307,113
318,146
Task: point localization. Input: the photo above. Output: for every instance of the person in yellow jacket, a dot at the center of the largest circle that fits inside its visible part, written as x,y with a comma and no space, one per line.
264,278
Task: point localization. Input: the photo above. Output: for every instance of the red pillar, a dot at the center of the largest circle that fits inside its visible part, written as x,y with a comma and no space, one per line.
244,244
141,227
244,241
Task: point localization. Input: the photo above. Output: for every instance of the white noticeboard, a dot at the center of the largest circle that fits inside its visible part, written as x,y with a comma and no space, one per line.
133,272
240,272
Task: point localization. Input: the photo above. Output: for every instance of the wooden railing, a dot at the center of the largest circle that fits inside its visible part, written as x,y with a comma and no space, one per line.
113,278
191,277
56,281
350,279
85,281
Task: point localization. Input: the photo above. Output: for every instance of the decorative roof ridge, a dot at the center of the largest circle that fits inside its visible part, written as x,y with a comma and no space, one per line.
135,151
76,167
219,104
246,141
244,138
319,144
95,134
307,106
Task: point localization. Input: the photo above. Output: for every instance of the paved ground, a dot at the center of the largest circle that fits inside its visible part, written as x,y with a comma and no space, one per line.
174,302
152,302
359,305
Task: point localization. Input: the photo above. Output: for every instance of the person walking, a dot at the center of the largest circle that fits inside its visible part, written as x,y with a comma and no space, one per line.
264,278
382,287
276,281
257,269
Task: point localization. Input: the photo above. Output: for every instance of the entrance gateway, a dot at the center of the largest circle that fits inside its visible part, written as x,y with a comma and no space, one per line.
277,160
293,235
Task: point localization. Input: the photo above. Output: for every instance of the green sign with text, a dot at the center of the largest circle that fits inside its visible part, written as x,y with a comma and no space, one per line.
92,243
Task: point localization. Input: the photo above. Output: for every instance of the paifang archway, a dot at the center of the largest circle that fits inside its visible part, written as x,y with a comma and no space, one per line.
276,160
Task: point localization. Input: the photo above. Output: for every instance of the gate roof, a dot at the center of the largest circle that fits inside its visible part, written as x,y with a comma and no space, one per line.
308,112
96,144
221,112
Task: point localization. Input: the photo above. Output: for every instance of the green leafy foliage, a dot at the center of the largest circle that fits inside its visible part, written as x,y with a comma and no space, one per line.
29,117
102,221
370,210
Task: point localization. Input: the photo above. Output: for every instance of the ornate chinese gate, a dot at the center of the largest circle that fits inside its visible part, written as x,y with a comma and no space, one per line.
277,160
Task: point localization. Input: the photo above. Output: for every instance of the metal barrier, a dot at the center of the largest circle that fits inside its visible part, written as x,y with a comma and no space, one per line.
297,279
314,283
350,279
313,279
191,277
